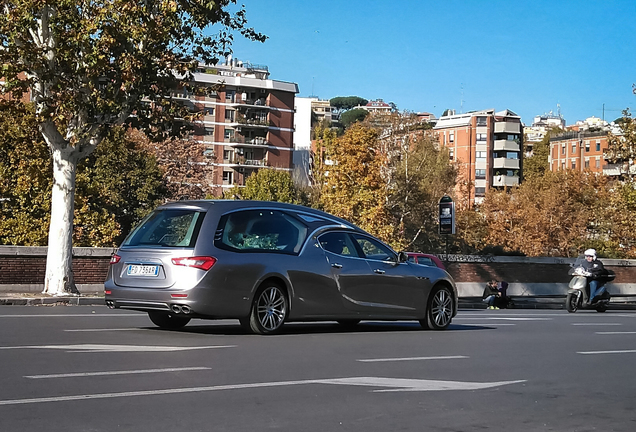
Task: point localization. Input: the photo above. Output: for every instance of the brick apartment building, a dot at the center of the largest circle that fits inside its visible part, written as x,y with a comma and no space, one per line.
579,150
247,123
487,146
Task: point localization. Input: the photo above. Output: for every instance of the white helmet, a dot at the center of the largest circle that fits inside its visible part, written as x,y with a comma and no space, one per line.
590,252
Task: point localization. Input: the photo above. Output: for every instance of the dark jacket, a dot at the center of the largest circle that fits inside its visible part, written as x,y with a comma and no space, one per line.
489,290
595,267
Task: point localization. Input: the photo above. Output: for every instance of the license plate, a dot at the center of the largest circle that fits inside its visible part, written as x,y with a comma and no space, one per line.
142,270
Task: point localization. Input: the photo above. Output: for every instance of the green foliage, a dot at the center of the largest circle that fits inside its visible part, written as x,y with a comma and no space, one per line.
268,185
621,149
116,186
537,164
341,103
352,116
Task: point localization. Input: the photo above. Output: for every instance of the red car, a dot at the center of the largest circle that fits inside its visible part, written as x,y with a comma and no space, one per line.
425,259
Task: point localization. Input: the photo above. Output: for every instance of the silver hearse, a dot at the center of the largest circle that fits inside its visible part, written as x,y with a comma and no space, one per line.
267,263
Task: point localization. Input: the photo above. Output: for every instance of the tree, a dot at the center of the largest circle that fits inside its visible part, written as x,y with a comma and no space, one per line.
621,149
267,185
116,185
92,65
350,180
347,118
341,103
537,164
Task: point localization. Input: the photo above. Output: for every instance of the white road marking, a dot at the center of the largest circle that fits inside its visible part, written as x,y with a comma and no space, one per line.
116,348
505,318
596,324
493,324
411,358
607,352
141,371
76,315
394,384
105,329
616,333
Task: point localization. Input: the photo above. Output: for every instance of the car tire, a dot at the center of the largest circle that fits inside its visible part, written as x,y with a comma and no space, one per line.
348,323
439,310
168,321
269,310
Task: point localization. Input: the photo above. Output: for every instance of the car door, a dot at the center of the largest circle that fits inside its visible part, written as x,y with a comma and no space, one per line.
350,271
396,289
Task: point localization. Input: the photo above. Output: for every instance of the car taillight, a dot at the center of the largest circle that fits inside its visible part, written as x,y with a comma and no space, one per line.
114,258
201,262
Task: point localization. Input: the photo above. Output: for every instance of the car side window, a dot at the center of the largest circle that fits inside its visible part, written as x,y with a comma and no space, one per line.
339,243
425,261
261,230
374,250
412,259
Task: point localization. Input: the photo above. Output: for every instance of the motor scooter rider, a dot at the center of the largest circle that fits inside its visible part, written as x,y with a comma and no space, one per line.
595,269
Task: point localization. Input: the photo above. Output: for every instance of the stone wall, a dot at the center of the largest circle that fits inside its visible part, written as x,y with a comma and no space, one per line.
22,270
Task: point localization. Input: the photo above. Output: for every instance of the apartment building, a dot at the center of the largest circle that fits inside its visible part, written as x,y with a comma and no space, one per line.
377,106
541,125
487,146
247,122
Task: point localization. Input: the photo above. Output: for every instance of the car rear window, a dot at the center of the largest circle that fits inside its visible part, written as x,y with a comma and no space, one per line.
260,230
167,228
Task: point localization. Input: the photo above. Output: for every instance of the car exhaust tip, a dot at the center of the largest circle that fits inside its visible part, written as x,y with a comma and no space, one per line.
185,309
175,308
110,304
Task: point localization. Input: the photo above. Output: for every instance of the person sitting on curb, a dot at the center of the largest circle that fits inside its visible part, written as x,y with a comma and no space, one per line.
491,293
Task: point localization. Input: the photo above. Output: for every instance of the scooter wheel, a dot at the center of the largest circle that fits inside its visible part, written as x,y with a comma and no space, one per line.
572,303
601,308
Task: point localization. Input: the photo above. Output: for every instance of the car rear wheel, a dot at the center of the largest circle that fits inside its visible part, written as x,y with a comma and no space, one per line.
166,320
269,310
439,311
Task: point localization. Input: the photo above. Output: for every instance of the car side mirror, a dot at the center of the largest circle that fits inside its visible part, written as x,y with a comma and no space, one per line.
402,257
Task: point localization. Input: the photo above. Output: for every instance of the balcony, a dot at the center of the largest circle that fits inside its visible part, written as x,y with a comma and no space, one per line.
507,127
502,180
240,162
505,163
257,122
256,142
251,103
507,145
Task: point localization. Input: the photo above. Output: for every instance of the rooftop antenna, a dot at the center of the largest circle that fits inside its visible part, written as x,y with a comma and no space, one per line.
559,110
461,101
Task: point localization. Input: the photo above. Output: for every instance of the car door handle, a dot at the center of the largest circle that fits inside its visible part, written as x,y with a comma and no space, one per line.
379,271
336,265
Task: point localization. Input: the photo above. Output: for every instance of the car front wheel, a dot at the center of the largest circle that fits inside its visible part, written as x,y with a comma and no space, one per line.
439,311
269,310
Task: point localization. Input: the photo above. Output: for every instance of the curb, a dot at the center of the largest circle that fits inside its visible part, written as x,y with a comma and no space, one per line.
62,300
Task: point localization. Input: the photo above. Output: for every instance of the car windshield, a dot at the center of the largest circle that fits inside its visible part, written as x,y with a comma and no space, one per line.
167,228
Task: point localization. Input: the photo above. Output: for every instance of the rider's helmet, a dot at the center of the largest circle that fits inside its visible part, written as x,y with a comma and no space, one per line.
590,252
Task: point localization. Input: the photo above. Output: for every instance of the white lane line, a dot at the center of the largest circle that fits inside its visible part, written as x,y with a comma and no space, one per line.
393,384
105,329
607,352
116,348
596,324
140,371
411,358
504,318
77,315
616,332
492,324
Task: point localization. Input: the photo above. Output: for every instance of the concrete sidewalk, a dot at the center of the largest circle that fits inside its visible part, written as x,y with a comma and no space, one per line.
36,299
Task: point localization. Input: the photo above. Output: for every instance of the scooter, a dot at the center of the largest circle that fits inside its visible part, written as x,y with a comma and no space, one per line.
579,290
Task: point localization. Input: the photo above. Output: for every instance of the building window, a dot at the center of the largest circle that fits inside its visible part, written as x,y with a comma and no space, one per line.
480,191
208,130
451,154
229,134
481,155
227,177
229,95
573,148
573,164
598,146
563,149
482,137
229,115
480,174
451,137
512,155
598,163
587,163
481,121
562,165
208,111
227,154
587,146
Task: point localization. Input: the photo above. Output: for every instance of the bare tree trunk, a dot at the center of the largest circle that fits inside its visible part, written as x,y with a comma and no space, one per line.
59,271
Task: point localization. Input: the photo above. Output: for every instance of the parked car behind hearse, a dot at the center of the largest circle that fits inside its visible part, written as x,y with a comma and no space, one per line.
267,263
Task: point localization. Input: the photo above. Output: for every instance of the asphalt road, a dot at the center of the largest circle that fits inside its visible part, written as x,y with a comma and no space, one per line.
82,368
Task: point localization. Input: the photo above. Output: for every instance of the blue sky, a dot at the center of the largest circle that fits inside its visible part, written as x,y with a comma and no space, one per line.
526,56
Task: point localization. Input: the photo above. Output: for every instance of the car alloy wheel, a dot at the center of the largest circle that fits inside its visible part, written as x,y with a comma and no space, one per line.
439,312
269,310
